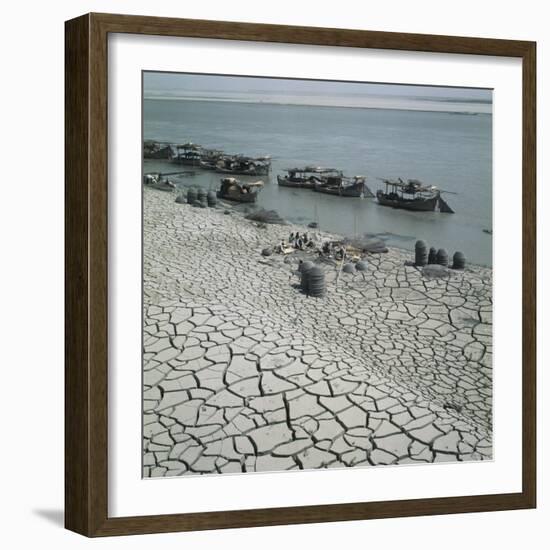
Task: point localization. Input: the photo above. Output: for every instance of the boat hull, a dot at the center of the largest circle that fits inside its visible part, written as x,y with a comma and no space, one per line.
353,191
207,165
415,205
241,172
296,184
159,154
237,197
161,187
187,162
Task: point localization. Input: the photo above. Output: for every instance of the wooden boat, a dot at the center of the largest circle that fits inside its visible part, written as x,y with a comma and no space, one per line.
188,154
209,158
157,150
344,187
412,195
244,166
156,182
306,177
234,190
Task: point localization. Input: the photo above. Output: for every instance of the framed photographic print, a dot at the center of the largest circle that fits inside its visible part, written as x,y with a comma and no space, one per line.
300,275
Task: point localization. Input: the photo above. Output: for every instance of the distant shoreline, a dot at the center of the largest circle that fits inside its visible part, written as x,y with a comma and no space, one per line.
297,104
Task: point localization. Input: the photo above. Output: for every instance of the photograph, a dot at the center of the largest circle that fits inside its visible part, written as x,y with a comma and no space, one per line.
317,274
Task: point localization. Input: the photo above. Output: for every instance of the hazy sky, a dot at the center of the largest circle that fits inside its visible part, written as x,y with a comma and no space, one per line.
315,92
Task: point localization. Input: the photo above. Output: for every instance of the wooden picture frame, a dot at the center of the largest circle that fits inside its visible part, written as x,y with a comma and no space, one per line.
86,283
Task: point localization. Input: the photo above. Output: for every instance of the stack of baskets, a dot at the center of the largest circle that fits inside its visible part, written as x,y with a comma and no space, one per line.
316,286
191,195
459,260
211,198
304,269
420,253
442,257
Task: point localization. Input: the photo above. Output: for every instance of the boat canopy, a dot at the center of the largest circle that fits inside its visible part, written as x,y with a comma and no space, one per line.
188,146
411,186
312,170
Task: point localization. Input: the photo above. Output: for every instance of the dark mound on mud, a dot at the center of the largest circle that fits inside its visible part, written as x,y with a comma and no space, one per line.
266,216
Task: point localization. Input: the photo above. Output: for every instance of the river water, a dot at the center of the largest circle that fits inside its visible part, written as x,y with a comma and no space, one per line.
450,150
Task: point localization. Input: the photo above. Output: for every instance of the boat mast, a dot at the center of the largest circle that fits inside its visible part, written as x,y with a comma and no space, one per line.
316,215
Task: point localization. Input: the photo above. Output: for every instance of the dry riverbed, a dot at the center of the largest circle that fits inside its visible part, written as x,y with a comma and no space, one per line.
243,372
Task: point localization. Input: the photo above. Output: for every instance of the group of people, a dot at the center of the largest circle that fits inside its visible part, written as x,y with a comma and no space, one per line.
300,242
329,248
296,241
